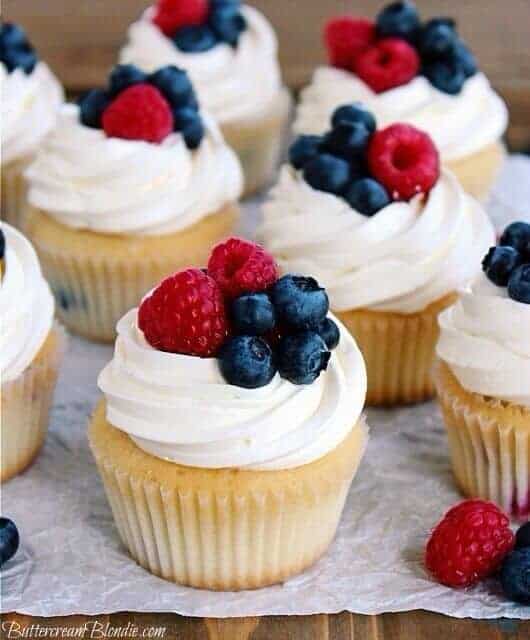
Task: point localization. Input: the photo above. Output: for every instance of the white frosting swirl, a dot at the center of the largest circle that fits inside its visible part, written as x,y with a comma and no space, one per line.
485,340
181,409
232,83
26,306
86,180
459,125
30,103
402,259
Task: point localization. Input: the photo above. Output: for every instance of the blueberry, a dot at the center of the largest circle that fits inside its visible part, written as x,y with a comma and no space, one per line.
519,284
464,59
304,149
515,576
399,20
347,140
367,196
302,357
176,86
195,39
327,173
500,263
437,39
247,361
522,537
190,124
2,245
12,36
300,302
253,314
446,76
227,22
517,235
9,540
354,113
92,106
124,76
329,332
15,58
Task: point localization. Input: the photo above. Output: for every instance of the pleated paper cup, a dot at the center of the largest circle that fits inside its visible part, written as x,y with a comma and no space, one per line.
477,173
96,278
222,529
489,441
25,407
14,191
399,351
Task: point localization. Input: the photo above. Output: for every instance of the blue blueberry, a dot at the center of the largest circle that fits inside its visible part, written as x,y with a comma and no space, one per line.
227,22
299,301
329,332
12,36
437,38
124,76
519,284
25,59
195,39
354,113
176,86
367,196
304,149
190,124
522,537
446,76
499,264
253,314
464,59
327,173
515,576
2,244
92,106
517,235
9,540
247,361
302,357
347,140
398,20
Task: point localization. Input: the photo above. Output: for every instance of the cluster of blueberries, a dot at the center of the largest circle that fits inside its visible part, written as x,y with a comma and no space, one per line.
15,49
336,162
172,82
284,330
446,61
508,264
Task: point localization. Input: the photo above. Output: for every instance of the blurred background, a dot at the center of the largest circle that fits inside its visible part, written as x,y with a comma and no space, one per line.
80,39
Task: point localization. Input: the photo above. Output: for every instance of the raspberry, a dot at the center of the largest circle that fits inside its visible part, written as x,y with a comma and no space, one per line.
240,266
170,15
346,38
469,543
404,160
387,64
185,314
139,113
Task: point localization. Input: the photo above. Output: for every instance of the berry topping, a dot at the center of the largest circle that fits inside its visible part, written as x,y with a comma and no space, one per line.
329,332
300,302
367,196
522,537
176,86
247,361
124,76
195,39
327,173
239,266
445,75
519,284
304,149
347,140
171,15
354,113
9,540
15,50
398,20
517,235
185,314
464,59
437,38
500,263
227,22
515,576
2,245
404,160
302,357
92,105
253,314
346,38
469,543
387,64
189,123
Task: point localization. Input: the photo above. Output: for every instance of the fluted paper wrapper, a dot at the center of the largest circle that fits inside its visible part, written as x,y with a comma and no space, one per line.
14,191
477,173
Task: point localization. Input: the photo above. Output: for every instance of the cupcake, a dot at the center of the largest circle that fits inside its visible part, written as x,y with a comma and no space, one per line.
483,377
231,424
419,73
31,96
31,347
231,54
391,236
132,184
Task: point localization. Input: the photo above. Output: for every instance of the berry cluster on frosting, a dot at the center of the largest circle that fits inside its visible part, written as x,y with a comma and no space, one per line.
395,48
508,264
239,310
196,26
16,51
367,168
141,106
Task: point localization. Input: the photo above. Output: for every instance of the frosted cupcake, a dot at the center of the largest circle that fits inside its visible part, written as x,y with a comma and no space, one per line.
131,185
421,74
390,236
231,54
483,379
231,427
31,96
30,352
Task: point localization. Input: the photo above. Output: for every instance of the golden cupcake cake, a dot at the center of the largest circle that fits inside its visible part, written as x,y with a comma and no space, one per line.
422,73
390,235
231,424
483,377
133,183
231,53
31,346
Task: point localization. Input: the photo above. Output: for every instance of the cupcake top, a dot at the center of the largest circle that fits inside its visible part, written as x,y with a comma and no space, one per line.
31,95
369,213
229,50
408,71
232,366
485,337
26,304
138,157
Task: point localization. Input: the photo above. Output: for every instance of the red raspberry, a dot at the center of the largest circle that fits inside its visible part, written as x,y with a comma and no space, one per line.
240,267
170,15
185,314
346,38
469,543
387,64
139,113
404,160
